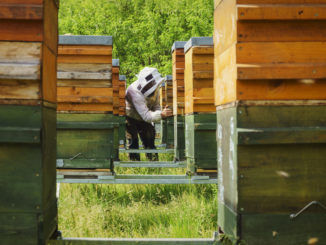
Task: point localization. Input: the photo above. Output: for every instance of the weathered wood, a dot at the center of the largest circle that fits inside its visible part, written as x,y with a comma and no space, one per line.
84,59
84,75
85,50
21,11
20,52
263,162
20,89
84,83
282,12
200,141
97,68
85,140
49,91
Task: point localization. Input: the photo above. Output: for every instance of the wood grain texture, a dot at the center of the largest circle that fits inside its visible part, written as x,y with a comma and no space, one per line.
282,12
20,71
85,59
85,50
50,25
49,75
16,30
20,52
84,83
20,89
21,11
84,75
71,67
280,1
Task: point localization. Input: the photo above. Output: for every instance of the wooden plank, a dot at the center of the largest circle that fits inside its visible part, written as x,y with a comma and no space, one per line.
282,12
225,26
21,11
84,75
20,135
282,71
293,135
49,75
68,67
20,89
281,90
203,50
20,52
269,31
281,52
50,25
16,30
85,59
280,1
19,71
203,75
68,91
97,108
85,83
88,50
84,99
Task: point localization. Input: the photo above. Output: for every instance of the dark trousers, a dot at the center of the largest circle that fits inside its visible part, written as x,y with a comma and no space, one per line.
146,132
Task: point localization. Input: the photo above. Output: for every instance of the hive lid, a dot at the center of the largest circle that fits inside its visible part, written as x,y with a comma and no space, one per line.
168,77
115,62
85,40
198,41
178,44
122,77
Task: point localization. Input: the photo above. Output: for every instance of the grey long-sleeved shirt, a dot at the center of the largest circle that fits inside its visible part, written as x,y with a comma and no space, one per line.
140,108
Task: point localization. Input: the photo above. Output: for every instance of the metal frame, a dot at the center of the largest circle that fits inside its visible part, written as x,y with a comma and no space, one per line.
144,164
128,241
146,150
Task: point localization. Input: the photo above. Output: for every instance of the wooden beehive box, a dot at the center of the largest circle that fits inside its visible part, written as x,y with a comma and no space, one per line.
85,103
200,118
163,131
122,110
271,162
199,59
269,50
115,84
28,50
169,120
178,66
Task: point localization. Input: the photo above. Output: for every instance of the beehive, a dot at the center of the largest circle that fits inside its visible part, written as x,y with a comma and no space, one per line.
267,50
163,130
122,110
85,102
115,84
178,66
28,50
200,118
169,120
270,101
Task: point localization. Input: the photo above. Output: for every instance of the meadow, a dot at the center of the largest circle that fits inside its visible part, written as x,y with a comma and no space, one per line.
138,211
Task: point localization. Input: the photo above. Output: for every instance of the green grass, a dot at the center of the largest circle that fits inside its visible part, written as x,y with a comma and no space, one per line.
138,211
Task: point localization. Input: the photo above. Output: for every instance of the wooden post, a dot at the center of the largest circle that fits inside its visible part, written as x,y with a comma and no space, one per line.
122,110
28,53
270,94
178,66
163,121
200,119
115,84
85,102
169,120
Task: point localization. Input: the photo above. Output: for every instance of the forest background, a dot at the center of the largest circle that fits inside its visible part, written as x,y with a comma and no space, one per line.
143,30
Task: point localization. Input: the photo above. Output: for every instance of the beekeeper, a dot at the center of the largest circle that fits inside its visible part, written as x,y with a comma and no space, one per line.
143,110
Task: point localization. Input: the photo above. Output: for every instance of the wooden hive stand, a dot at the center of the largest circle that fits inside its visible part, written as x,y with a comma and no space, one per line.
122,111
163,129
169,120
200,118
115,84
85,103
28,53
178,66
270,93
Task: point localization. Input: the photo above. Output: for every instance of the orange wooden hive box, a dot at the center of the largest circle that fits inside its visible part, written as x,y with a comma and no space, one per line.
199,59
269,50
85,74
115,84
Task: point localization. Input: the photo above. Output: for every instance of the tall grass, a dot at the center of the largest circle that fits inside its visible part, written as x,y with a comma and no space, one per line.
138,211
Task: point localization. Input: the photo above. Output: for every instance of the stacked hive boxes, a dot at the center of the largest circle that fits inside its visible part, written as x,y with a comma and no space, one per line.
163,130
270,93
115,85
169,120
28,51
85,102
200,118
178,66
122,110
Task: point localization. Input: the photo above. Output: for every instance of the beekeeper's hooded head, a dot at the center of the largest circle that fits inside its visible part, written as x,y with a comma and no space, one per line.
149,80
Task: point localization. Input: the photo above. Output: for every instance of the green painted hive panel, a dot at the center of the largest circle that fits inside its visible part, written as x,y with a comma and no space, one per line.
200,141
122,130
170,132
179,137
272,164
86,140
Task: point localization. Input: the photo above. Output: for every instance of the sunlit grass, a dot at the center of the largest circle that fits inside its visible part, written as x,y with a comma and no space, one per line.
138,211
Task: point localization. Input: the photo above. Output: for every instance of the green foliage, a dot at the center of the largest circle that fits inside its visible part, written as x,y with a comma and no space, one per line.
143,30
